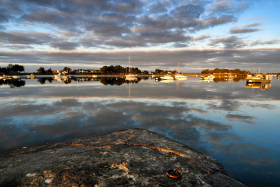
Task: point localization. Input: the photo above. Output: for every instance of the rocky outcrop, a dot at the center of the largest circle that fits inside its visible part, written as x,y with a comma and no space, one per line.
133,157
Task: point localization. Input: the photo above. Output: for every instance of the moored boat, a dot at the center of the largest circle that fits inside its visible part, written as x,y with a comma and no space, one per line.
30,76
258,78
209,77
16,77
130,75
179,75
167,77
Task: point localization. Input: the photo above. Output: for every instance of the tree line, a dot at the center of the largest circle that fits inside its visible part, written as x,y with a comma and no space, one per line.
119,69
160,71
11,69
217,70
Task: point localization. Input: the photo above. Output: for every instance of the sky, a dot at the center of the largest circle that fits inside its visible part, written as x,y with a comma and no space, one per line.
197,34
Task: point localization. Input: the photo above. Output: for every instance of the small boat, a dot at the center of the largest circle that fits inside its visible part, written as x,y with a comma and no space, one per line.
16,77
59,76
258,78
209,77
130,76
30,76
94,76
179,75
167,77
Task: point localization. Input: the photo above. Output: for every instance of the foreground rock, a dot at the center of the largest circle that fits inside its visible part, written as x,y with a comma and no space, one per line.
132,157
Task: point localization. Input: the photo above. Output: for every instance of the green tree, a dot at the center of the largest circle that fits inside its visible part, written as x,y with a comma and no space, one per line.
49,71
66,69
103,69
206,71
41,70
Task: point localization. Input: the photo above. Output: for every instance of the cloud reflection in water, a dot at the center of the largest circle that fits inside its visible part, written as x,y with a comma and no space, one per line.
215,124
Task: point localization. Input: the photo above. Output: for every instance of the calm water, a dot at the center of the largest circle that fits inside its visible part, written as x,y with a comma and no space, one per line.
236,125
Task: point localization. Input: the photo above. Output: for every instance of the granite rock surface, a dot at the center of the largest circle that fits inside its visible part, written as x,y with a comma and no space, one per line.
133,157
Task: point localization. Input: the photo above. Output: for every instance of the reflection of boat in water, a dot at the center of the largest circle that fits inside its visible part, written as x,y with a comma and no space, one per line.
263,86
166,80
179,75
6,77
130,76
16,77
59,76
258,78
207,78
30,76
228,77
181,78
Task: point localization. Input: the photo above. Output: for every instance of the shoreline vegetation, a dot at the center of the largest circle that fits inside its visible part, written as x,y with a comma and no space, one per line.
115,70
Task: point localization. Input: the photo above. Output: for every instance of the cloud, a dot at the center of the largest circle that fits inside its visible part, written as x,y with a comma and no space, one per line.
240,118
245,29
261,42
198,111
180,45
159,7
25,38
110,24
229,42
201,37
224,105
255,17
227,7
3,18
65,45
189,10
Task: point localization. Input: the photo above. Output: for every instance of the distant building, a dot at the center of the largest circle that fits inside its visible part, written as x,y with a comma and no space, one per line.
91,70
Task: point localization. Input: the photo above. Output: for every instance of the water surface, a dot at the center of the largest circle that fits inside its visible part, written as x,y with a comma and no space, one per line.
235,124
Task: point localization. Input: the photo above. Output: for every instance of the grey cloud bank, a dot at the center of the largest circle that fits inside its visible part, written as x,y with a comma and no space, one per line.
151,59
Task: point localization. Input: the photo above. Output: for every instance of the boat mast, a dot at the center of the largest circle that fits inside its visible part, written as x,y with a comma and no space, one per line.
129,64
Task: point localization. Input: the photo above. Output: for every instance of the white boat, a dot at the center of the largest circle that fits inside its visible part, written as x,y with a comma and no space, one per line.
167,77
181,78
130,75
30,76
179,75
209,77
258,78
94,76
59,76
16,77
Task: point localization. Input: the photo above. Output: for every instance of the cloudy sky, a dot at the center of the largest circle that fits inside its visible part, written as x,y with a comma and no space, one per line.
198,34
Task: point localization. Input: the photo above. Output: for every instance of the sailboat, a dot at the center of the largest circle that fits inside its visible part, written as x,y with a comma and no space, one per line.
180,75
130,75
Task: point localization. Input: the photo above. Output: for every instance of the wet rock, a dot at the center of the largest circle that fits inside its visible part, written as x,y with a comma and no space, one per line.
133,157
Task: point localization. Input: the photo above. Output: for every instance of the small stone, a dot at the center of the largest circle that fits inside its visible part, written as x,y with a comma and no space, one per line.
48,181
30,174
